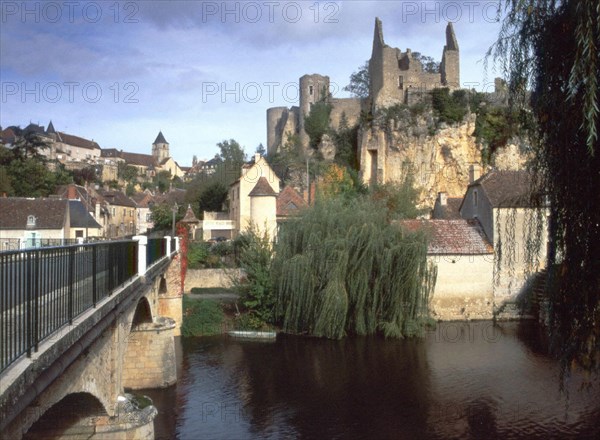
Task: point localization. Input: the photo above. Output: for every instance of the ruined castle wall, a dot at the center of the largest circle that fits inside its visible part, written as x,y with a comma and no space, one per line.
451,69
274,116
351,107
388,92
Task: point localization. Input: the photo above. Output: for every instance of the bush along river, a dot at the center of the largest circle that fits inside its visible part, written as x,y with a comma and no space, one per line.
463,380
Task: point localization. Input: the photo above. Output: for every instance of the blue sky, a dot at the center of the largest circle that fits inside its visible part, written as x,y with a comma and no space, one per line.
118,72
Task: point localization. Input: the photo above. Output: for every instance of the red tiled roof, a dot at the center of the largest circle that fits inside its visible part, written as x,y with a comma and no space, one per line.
289,202
49,213
451,237
262,188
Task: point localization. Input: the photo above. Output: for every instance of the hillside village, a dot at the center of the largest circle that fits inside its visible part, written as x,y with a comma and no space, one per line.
472,197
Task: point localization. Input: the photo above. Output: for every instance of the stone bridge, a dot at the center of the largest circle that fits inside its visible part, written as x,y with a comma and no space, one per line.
80,372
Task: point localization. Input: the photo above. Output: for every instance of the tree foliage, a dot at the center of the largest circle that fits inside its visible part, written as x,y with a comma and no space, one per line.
551,47
360,82
212,197
341,268
449,107
429,64
316,123
24,171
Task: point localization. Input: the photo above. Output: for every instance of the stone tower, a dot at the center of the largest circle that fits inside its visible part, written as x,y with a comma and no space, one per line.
313,88
160,148
450,67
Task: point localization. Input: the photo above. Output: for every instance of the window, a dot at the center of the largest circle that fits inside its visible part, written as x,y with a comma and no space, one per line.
400,82
148,217
475,201
31,220
310,90
124,212
79,233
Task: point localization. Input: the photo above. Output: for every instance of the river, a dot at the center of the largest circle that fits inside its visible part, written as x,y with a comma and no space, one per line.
463,380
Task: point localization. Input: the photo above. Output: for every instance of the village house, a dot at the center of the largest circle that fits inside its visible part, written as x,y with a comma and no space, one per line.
465,263
29,222
255,200
501,201
144,202
120,217
498,206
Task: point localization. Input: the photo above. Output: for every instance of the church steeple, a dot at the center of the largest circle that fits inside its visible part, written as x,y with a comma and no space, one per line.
160,148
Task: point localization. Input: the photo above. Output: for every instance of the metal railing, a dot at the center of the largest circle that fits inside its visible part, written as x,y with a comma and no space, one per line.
43,289
13,244
155,250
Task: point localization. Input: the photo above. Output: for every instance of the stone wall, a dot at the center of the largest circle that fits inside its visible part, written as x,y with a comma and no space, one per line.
149,360
463,289
211,278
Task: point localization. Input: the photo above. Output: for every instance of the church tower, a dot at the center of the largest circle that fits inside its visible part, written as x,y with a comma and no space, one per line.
160,148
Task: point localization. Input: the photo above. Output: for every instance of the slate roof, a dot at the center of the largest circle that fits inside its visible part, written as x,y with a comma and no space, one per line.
451,211
76,141
506,189
146,160
262,189
143,199
160,139
49,213
451,237
117,198
289,202
80,218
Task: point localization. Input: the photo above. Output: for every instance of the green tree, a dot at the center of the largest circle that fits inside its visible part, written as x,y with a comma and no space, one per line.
162,216
550,48
316,123
213,197
360,82
126,172
429,64
233,157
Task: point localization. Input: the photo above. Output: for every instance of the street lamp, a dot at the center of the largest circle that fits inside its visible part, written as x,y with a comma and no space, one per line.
174,209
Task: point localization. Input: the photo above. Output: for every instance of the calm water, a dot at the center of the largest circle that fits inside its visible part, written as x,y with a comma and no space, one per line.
462,381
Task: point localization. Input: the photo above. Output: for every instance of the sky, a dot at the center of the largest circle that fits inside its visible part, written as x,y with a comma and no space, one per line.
203,71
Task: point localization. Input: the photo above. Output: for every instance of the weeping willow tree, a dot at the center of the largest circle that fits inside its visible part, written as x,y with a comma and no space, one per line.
552,48
341,268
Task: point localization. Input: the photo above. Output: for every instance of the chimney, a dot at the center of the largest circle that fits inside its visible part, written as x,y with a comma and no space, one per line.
443,198
474,173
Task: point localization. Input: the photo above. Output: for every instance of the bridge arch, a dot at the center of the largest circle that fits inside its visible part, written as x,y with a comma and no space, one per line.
73,415
142,314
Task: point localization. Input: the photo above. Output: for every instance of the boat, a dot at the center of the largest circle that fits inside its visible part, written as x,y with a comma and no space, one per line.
252,334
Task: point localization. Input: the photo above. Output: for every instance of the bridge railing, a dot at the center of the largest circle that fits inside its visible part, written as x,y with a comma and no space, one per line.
43,289
155,250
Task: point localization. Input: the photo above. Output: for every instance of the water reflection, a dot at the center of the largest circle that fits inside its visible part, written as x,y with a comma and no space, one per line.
464,380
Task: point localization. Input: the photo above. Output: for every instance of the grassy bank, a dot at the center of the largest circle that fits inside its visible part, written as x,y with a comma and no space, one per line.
202,317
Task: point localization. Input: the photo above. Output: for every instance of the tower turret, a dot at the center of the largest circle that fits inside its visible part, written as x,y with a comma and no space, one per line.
160,148
450,67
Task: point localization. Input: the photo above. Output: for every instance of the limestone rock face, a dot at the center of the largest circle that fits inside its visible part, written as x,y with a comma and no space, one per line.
509,157
327,148
439,159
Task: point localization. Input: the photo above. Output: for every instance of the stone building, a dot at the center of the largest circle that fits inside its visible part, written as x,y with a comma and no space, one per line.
399,77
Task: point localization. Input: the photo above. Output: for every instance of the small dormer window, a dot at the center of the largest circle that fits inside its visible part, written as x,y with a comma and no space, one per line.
31,220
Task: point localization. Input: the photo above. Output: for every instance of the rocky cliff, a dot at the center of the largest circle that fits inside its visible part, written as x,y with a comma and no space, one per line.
439,158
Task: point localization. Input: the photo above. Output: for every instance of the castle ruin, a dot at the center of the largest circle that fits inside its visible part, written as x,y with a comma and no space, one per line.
396,78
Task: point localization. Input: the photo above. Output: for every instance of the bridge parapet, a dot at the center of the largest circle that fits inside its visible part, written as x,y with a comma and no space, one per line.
77,332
